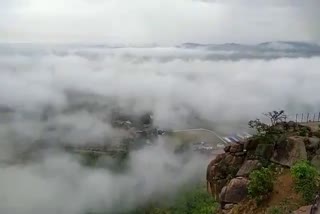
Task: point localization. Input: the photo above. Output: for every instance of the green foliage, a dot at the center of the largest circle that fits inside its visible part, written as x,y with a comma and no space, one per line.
303,131
305,177
264,162
260,127
260,183
317,134
192,201
266,134
276,117
196,201
264,138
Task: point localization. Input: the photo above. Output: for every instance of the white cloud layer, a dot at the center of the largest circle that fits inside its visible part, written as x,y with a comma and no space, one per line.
59,184
180,86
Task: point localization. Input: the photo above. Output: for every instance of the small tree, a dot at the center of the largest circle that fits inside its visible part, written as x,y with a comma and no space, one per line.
276,116
268,133
256,124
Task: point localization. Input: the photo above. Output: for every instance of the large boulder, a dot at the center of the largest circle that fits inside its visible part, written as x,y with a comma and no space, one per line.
212,166
232,160
251,144
226,167
313,143
236,147
227,148
316,161
304,210
214,162
216,172
216,187
235,191
220,170
264,151
248,167
290,151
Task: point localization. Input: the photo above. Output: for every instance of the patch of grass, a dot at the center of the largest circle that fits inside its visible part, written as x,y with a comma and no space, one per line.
275,210
195,200
306,180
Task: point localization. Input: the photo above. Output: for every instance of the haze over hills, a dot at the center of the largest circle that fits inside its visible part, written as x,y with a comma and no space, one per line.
265,46
185,51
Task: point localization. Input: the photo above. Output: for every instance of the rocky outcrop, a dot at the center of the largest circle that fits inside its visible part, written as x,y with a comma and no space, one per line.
316,161
303,210
228,174
313,143
235,192
248,167
310,209
290,151
224,167
251,144
264,151
235,147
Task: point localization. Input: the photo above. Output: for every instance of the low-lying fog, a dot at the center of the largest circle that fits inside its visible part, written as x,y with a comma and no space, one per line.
190,86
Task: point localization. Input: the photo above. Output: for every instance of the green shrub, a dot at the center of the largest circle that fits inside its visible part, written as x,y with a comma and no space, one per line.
194,200
305,178
260,183
317,134
259,126
303,131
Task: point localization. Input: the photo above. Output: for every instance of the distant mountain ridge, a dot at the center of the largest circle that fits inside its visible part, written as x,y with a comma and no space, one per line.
282,45
185,51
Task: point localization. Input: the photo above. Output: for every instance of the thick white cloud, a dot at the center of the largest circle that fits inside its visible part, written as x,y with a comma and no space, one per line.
215,90
59,184
174,83
145,21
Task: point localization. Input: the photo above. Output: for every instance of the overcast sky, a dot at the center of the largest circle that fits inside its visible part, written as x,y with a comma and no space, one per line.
154,21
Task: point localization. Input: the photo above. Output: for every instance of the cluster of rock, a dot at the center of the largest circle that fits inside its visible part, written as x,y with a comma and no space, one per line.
228,173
